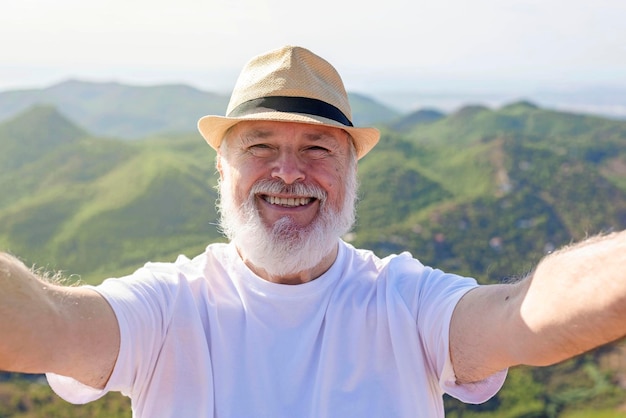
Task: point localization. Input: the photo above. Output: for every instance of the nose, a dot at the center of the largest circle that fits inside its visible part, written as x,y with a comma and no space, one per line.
288,168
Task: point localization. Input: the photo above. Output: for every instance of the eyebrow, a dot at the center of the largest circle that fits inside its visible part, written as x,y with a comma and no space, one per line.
255,134
319,136
260,133
323,137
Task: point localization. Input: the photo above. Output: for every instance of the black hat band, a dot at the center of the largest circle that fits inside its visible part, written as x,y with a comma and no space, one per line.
290,104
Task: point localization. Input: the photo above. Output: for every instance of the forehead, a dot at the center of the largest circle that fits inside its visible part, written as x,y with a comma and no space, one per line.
255,130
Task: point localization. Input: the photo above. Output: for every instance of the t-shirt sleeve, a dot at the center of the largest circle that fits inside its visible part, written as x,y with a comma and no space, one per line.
444,291
474,393
73,391
433,302
141,305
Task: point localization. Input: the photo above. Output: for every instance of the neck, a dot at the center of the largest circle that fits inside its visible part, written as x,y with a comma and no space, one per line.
300,277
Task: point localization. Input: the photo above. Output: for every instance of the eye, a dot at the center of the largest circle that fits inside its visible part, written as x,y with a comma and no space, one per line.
260,150
317,151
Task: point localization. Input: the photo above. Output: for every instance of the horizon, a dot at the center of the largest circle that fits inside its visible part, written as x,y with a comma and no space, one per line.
600,101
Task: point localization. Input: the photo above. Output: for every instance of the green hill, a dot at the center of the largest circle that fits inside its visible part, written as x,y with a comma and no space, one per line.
487,192
368,112
34,133
95,207
406,122
118,110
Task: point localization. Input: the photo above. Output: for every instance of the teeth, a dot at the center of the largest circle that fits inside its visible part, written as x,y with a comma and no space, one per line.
297,201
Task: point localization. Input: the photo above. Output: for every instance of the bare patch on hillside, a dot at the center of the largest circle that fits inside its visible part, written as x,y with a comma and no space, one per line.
497,157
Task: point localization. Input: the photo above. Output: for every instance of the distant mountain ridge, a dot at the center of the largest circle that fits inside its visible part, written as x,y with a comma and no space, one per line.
131,112
117,110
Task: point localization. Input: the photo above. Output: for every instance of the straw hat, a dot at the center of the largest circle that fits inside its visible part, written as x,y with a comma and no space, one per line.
290,84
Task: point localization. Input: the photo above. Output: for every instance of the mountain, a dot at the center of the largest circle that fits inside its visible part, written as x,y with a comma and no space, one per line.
368,112
473,123
117,110
601,100
34,133
406,122
481,192
485,192
132,112
95,206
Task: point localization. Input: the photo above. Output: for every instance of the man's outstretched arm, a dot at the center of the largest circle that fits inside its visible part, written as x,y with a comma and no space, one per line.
45,327
573,302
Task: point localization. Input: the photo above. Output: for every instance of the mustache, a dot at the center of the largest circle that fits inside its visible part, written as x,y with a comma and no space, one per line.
277,187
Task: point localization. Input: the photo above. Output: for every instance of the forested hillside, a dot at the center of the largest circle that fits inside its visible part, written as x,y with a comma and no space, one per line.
480,192
487,192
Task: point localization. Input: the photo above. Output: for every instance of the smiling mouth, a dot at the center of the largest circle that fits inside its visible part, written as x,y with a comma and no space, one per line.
288,202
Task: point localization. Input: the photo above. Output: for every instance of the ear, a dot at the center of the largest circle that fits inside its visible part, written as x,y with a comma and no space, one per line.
218,165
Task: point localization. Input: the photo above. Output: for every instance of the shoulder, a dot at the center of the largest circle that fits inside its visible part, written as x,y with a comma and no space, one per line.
167,278
406,276
188,269
393,268
358,259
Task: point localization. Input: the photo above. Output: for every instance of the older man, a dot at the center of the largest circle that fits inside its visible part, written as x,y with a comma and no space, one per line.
287,320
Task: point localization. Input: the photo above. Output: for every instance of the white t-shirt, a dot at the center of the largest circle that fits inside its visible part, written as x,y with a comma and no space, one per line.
208,338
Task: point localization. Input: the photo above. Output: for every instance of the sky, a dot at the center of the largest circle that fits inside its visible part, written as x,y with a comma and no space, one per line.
478,47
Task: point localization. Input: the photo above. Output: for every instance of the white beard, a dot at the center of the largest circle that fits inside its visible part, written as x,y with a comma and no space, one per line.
285,248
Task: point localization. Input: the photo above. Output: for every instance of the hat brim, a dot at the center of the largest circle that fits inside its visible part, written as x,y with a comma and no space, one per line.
213,128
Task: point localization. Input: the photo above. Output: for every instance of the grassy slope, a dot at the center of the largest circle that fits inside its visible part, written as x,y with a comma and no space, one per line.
113,208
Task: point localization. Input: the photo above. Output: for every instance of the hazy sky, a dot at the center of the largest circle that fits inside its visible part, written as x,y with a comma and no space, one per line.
376,45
